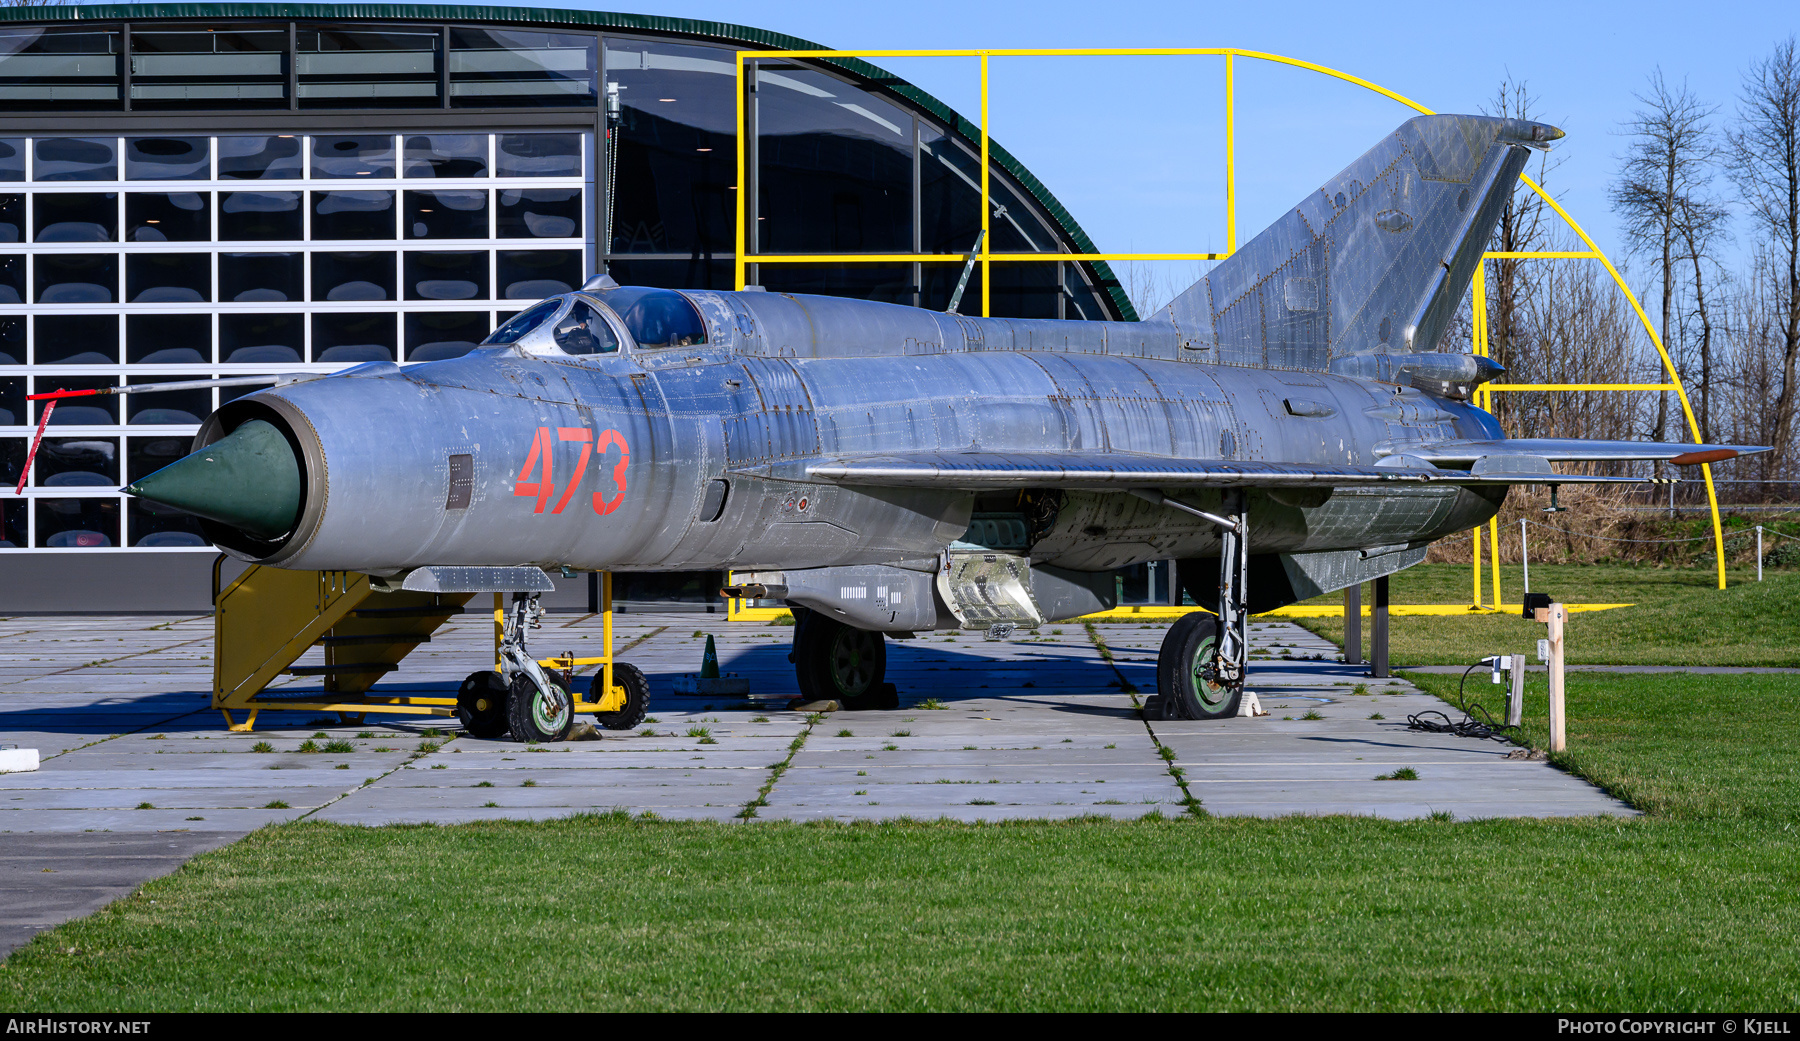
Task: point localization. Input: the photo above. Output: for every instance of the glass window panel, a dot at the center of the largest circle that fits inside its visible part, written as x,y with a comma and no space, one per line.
76,339
517,325
168,278
146,455
370,155
12,518
166,408
539,213
452,275
657,317
446,155
537,155
260,277
102,410
534,274
12,461
70,462
53,67
950,203
447,215
89,523
260,216
12,159
353,337
75,159
168,216
209,69
154,525
12,278
12,218
436,335
1024,291
392,68
77,278
352,215
352,276
892,283
166,339
261,339
12,405
492,68
168,159
1082,301
674,274
12,342
674,142
260,158
75,216
836,166
583,331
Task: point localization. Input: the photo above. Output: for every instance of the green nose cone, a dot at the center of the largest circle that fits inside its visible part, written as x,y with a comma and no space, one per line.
249,480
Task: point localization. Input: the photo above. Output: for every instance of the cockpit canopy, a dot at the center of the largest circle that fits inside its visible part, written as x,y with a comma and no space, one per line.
582,324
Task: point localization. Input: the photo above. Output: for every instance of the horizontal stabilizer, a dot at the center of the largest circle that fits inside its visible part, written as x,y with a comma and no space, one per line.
1121,471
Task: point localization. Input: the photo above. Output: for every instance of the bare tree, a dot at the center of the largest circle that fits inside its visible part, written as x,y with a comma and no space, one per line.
1765,154
1662,183
1702,224
1511,285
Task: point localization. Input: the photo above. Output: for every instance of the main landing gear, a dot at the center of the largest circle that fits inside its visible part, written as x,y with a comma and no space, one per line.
837,662
534,703
1200,670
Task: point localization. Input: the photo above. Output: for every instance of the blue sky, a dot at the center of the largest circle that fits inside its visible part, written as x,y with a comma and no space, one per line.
1133,146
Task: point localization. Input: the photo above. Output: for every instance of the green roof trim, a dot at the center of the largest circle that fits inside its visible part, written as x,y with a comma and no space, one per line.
723,32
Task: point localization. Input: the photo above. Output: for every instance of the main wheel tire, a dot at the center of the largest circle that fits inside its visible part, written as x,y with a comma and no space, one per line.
1187,652
835,661
481,704
637,697
534,716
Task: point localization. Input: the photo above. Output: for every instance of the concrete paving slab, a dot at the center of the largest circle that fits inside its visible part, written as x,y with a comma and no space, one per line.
1042,726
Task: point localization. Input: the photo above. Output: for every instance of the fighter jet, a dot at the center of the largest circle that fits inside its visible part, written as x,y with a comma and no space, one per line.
1288,426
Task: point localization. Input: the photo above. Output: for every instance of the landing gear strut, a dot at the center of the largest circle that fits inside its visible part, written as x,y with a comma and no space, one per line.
834,661
1200,670
522,697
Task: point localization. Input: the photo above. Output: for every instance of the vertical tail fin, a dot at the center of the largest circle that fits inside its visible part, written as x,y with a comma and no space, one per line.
1373,263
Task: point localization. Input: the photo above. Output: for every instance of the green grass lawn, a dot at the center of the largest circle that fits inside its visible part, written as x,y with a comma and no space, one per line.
1679,617
1693,907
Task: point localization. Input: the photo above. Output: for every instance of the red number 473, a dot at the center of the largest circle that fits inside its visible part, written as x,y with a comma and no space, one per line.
543,452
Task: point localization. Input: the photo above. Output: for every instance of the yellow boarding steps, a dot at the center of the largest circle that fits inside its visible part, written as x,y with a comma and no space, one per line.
265,620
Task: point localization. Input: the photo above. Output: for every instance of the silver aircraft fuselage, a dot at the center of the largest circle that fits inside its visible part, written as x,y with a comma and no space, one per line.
690,457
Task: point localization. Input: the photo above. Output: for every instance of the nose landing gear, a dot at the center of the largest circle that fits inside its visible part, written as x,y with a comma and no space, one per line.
538,704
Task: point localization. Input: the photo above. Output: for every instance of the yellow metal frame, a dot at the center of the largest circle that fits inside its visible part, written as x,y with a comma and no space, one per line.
1484,396
614,699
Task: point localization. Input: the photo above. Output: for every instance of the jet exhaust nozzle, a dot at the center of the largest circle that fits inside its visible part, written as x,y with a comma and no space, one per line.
249,480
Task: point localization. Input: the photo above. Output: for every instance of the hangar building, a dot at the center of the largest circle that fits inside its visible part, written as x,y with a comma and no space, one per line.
198,190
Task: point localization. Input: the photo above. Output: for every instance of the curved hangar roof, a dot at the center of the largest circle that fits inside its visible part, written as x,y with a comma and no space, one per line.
837,164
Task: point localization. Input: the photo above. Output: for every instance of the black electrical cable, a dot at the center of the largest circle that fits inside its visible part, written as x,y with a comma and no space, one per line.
1483,729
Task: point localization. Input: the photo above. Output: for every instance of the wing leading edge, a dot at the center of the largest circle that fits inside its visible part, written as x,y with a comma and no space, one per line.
1117,471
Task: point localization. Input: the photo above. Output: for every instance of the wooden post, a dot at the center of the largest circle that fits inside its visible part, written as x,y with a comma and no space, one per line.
1378,637
1353,625
1558,717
